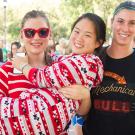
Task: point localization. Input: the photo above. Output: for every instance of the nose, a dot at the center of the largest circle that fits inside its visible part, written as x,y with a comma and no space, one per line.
36,36
126,27
79,38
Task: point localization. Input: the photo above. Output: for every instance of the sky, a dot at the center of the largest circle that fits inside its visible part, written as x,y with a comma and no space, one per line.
15,3
20,7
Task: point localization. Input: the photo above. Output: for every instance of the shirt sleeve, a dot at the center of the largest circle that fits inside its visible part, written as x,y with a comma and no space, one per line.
4,78
78,69
56,57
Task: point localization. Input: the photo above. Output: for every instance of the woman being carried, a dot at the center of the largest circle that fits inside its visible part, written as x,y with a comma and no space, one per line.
37,110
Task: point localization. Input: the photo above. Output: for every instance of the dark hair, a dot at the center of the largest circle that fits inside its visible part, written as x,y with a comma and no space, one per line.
35,14
130,5
100,26
17,44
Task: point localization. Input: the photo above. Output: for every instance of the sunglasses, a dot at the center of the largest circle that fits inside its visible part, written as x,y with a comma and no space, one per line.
30,32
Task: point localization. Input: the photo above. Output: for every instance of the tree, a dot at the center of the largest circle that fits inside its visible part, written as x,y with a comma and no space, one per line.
71,9
62,18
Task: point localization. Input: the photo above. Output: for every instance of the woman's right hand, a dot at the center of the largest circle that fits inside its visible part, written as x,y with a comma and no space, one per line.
78,92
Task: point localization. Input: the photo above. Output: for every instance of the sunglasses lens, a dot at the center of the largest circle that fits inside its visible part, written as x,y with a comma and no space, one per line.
29,33
43,33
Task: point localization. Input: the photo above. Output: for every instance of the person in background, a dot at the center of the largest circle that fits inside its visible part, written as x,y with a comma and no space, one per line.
14,48
1,56
39,113
63,47
113,102
50,48
4,51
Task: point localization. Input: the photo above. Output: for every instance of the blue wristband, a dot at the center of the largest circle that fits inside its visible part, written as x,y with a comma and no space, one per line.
77,120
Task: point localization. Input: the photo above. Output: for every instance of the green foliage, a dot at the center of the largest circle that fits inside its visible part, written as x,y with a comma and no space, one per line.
13,30
1,24
71,9
61,19
13,24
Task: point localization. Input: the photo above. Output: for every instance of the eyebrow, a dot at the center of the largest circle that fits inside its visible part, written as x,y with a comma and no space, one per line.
124,19
85,31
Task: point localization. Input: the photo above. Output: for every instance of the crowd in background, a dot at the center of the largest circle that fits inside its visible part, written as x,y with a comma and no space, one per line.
60,47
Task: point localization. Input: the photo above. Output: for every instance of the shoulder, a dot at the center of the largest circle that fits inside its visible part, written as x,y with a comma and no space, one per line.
7,66
94,58
134,52
84,56
8,63
102,54
132,56
88,58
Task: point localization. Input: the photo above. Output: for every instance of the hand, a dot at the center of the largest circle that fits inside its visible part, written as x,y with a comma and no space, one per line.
76,92
18,62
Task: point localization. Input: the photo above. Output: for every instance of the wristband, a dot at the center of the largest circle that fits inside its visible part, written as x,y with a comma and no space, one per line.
78,120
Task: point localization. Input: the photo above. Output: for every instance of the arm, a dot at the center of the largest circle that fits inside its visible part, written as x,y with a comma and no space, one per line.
78,69
85,106
78,92
4,69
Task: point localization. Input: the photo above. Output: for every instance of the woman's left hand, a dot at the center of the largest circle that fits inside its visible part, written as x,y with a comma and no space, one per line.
18,62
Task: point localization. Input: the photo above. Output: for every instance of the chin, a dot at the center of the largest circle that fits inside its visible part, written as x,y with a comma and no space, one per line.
77,52
36,52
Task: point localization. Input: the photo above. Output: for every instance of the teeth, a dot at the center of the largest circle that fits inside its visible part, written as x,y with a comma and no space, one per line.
124,35
77,45
36,44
